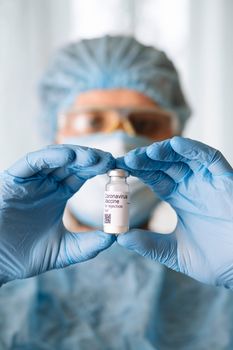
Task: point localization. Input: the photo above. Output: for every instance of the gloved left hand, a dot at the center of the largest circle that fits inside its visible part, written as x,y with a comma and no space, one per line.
33,196
197,181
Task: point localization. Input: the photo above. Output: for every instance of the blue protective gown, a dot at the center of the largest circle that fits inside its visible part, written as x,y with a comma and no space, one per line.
118,300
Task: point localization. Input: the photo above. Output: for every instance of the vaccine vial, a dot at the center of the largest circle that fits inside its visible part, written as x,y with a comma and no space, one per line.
116,202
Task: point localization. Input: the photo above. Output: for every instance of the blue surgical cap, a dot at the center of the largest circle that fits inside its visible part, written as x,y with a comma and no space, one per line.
109,63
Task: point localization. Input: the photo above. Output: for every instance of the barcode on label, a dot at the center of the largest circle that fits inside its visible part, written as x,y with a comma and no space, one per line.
107,218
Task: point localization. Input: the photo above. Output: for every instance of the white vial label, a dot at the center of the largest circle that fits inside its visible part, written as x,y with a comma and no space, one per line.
116,212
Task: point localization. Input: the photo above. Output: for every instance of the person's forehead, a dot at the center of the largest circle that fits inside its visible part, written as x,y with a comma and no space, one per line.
114,97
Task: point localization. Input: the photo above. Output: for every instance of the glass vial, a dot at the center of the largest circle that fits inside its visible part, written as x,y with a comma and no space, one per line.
116,202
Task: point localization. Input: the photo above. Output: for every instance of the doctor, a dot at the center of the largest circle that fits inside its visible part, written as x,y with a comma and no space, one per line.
115,94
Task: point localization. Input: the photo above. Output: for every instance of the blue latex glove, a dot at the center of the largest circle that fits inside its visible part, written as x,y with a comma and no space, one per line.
33,196
197,181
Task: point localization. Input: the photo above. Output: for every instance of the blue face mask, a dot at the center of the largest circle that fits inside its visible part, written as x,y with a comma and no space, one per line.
117,143
142,199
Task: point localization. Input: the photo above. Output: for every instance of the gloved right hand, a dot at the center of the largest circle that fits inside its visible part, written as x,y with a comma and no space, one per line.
33,195
197,181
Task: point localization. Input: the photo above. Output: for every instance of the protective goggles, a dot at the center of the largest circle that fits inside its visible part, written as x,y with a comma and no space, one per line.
148,122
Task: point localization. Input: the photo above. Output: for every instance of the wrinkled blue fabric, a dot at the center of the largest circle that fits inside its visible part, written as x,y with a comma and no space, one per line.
109,63
119,300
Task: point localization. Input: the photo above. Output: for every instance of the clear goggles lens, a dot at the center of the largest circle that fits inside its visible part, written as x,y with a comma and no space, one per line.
148,122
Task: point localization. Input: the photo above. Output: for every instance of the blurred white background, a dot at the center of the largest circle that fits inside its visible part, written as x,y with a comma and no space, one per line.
197,35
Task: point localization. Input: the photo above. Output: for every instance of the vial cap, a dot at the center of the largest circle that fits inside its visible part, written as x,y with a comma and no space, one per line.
118,172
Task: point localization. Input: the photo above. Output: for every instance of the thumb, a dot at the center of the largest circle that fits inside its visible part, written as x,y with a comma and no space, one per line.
79,247
156,246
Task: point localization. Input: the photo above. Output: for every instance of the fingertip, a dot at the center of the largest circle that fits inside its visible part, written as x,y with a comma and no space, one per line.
199,153
90,162
176,140
82,246
86,156
110,161
137,240
153,152
44,159
159,150
127,239
69,154
186,147
136,158
120,164
106,162
106,239
153,245
122,239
